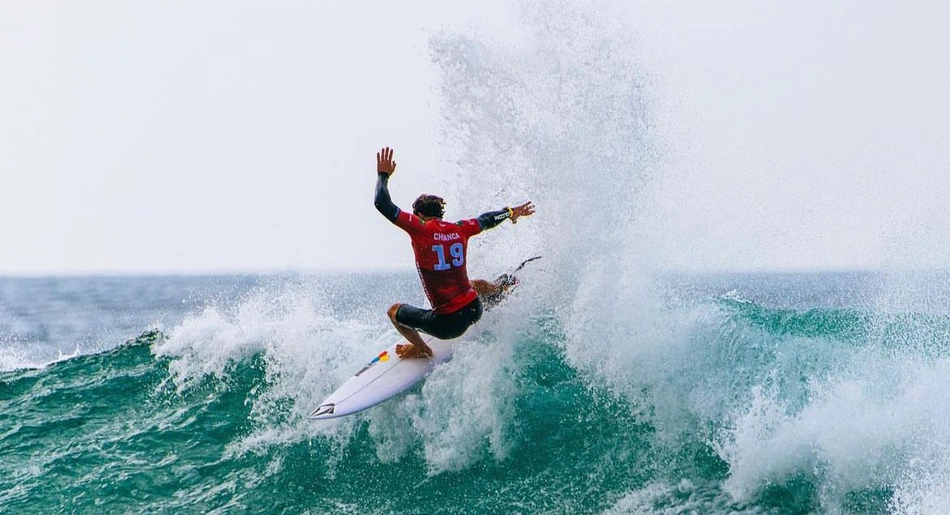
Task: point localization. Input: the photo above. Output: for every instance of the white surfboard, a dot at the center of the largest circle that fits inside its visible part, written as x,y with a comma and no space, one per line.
384,377
388,375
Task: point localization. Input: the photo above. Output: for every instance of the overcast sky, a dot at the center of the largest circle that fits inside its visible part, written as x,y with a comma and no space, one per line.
217,136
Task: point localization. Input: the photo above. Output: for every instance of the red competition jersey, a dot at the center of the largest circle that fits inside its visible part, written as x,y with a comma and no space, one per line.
441,248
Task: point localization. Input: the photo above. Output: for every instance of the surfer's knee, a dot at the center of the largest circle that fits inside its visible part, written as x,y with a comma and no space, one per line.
392,311
482,287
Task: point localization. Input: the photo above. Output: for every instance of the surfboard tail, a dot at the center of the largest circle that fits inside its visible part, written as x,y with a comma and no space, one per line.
525,262
507,282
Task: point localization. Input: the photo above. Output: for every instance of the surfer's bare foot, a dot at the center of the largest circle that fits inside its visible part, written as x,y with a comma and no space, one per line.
410,351
506,282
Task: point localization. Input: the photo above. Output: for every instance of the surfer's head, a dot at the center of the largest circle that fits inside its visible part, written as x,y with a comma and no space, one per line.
429,206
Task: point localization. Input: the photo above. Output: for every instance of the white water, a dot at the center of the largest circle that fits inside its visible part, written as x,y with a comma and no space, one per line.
563,116
564,112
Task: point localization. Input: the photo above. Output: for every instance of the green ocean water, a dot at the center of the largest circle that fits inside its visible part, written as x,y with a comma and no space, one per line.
109,433
748,406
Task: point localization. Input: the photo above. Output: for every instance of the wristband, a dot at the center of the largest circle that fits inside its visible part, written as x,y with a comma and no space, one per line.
511,212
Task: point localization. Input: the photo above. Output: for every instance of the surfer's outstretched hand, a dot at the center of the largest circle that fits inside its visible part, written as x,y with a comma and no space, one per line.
384,161
410,351
526,209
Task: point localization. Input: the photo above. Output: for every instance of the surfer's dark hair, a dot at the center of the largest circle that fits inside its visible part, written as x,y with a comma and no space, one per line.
429,206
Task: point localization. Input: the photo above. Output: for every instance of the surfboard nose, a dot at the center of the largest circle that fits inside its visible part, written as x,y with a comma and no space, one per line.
323,410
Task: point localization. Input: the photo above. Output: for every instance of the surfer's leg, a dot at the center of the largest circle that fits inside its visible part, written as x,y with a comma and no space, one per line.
455,324
418,347
495,291
484,288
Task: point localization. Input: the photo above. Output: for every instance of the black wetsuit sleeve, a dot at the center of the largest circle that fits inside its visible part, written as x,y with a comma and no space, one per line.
493,218
384,203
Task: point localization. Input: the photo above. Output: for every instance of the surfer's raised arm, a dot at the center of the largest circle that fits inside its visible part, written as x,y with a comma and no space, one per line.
493,218
385,166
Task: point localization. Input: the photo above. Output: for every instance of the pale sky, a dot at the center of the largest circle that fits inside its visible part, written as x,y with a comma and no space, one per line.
219,136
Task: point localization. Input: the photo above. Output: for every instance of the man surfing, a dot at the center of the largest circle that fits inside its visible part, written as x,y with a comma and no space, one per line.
440,248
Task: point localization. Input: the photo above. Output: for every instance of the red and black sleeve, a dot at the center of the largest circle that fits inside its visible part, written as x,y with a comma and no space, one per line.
493,218
384,203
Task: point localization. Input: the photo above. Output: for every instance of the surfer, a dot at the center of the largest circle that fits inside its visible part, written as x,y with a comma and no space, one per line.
440,248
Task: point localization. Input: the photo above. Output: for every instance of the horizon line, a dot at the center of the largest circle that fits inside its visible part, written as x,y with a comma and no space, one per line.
53,274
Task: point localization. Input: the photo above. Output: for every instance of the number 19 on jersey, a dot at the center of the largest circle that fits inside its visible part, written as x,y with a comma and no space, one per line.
456,251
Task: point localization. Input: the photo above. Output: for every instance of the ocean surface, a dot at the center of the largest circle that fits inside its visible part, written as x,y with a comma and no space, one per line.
756,393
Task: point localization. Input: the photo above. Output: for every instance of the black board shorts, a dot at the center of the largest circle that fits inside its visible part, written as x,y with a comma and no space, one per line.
443,327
